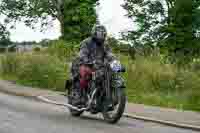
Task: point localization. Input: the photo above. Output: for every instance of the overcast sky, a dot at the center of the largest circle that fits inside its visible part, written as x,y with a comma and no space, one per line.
110,12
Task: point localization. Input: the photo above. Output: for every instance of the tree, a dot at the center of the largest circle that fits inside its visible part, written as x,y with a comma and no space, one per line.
76,17
196,18
113,43
169,24
118,46
149,17
3,32
4,36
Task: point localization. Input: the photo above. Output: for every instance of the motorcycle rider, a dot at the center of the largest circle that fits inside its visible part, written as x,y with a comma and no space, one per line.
94,50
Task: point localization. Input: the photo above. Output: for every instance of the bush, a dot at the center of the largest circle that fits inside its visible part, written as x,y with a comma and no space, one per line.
63,49
36,49
9,63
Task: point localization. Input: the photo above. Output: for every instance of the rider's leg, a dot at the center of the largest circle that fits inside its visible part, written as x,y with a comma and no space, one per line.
76,92
76,100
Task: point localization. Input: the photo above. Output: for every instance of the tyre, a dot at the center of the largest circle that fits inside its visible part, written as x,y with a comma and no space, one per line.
114,117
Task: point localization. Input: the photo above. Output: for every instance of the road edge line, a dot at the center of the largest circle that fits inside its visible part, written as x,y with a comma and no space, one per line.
163,122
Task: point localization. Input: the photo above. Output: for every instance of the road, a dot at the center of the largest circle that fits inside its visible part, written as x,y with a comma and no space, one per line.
21,115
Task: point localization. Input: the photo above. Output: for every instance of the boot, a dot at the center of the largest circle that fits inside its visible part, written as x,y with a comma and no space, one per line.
76,94
76,100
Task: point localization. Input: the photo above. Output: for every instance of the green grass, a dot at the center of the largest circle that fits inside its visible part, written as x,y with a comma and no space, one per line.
153,83
35,69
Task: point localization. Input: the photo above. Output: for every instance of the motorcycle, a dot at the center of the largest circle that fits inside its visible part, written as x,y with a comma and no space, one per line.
96,98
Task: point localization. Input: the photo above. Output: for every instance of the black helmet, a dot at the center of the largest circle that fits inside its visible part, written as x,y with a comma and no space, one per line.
99,33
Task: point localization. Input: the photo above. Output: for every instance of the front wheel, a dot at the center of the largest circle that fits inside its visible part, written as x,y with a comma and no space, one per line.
119,102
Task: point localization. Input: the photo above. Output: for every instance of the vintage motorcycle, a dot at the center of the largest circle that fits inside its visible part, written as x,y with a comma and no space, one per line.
96,98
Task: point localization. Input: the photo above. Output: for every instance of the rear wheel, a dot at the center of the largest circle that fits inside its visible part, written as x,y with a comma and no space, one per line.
119,101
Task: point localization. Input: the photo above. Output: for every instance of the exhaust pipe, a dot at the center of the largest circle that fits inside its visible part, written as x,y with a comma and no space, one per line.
74,107
42,98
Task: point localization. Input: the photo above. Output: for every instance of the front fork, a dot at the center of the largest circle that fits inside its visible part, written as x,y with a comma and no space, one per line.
108,87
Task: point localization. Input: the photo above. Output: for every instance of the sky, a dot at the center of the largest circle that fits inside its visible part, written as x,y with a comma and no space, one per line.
110,12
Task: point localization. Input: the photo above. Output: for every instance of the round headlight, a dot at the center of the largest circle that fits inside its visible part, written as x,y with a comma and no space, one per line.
115,65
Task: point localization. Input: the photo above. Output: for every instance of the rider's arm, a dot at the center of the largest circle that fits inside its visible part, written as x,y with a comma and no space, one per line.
83,54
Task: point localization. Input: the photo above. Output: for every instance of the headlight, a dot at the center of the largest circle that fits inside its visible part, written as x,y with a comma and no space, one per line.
115,66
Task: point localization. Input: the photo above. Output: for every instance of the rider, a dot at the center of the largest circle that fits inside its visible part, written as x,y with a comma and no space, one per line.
95,51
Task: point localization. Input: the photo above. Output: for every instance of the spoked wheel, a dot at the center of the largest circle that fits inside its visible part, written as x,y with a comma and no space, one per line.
119,102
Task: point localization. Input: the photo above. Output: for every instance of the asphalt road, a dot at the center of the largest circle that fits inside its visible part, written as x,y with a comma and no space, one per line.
21,115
